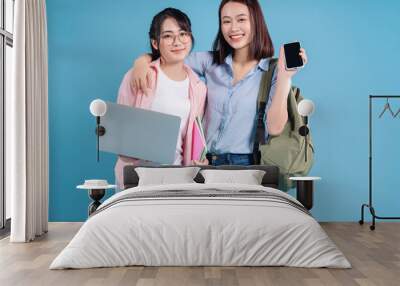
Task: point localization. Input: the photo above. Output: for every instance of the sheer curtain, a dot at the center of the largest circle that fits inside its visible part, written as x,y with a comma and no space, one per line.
27,132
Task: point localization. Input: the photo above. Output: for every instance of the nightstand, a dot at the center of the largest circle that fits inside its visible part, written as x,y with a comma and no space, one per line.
305,190
96,190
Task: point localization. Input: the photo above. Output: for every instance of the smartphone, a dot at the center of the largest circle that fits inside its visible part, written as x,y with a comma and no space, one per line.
293,59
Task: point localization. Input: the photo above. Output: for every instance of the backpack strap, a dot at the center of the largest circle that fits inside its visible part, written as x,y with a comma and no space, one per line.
262,100
265,85
295,119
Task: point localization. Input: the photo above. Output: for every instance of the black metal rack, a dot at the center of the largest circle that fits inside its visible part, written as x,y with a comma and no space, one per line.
369,205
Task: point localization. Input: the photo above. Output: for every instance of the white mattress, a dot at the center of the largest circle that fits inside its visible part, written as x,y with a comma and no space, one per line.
200,231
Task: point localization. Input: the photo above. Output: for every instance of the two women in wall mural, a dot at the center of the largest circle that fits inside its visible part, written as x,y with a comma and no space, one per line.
232,71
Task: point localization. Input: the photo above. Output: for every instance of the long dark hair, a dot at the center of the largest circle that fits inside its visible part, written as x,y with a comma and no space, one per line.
261,44
155,29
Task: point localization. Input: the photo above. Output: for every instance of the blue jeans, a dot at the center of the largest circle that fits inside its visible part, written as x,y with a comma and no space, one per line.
230,159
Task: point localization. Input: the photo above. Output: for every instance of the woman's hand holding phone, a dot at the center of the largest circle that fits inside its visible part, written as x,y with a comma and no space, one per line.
283,72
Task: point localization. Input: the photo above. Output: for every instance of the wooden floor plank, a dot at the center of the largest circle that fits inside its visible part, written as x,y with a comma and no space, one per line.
374,255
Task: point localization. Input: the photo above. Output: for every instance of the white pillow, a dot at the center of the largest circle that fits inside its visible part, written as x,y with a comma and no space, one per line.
248,177
163,176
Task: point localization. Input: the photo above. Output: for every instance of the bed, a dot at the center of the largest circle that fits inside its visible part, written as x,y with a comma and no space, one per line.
201,224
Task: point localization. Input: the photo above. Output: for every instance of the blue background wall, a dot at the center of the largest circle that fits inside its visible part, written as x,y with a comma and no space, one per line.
353,49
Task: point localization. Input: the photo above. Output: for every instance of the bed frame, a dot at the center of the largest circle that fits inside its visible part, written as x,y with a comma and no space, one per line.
270,179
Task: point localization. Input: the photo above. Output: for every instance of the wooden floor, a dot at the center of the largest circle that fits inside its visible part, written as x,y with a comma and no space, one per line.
374,255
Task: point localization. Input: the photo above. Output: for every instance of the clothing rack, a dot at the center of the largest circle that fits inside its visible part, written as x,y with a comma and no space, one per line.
370,205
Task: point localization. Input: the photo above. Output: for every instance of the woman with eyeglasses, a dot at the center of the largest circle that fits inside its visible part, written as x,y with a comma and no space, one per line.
173,87
241,53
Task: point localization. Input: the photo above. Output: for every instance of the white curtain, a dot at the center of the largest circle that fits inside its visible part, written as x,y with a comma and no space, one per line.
27,124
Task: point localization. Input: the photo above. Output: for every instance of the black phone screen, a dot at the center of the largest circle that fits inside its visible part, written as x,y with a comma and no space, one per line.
293,59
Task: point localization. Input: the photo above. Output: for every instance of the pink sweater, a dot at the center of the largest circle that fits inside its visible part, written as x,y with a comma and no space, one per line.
128,96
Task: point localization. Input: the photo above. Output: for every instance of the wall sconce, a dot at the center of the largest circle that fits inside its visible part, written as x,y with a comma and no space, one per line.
305,108
98,108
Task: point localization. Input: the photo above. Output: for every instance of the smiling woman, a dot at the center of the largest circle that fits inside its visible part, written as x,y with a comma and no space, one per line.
167,27
243,31
174,88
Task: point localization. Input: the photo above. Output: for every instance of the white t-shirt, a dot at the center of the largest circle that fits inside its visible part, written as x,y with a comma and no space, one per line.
172,97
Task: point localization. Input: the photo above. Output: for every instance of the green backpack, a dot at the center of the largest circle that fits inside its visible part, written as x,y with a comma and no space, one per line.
286,150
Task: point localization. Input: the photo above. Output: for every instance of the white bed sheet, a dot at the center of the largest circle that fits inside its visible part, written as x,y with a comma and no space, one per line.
200,231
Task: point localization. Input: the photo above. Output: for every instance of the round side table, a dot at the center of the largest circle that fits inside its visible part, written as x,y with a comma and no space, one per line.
305,190
96,193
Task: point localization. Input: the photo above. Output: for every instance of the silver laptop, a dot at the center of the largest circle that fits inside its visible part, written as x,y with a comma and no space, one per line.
140,133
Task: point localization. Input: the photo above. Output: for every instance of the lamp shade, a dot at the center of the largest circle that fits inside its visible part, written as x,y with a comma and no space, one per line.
98,107
305,107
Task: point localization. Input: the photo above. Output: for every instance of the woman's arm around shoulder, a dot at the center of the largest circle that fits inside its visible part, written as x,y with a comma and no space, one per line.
128,94
199,62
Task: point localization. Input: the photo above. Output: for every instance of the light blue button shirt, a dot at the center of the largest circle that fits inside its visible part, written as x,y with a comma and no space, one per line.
230,116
